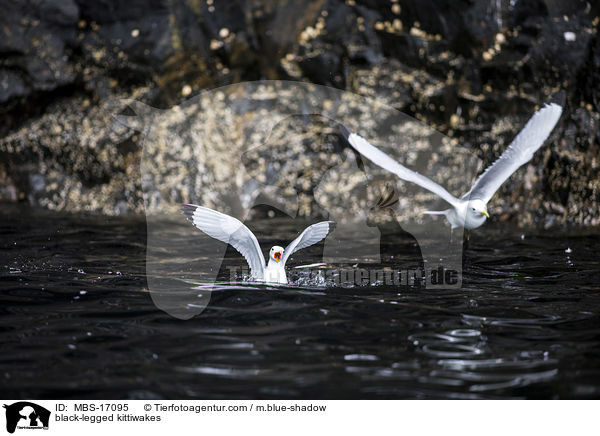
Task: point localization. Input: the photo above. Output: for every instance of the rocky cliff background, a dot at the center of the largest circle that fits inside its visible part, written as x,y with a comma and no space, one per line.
474,70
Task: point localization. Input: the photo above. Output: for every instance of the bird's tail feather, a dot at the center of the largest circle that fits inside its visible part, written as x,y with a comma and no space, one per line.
436,212
388,198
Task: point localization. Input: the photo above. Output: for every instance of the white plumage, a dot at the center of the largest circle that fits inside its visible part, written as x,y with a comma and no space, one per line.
470,211
232,231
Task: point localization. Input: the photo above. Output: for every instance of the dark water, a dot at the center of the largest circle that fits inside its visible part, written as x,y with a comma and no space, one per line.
77,321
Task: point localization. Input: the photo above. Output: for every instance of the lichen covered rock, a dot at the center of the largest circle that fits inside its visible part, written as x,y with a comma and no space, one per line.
475,71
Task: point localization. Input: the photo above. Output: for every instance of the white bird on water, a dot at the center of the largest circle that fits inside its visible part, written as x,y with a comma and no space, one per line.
470,211
232,231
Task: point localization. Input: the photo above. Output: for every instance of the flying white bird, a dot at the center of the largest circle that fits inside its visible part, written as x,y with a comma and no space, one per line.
232,231
470,211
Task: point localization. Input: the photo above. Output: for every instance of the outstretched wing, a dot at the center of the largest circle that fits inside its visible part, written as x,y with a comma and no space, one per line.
230,230
381,159
520,151
310,236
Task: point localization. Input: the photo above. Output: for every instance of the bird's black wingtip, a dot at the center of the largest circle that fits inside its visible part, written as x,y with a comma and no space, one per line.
559,98
188,210
344,131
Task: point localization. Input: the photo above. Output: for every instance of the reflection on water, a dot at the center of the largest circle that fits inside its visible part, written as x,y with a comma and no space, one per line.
78,321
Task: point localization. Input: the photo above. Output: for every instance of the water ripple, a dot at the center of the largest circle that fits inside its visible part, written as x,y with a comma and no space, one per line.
78,321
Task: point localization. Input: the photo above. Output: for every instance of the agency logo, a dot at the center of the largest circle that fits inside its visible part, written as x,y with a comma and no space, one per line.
26,415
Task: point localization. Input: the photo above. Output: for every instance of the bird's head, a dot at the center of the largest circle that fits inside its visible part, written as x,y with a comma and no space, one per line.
276,253
477,209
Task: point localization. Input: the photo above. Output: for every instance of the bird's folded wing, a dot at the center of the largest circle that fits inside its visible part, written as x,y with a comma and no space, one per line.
310,236
520,151
381,159
230,230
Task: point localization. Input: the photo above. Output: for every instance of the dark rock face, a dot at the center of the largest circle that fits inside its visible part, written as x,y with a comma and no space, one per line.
474,70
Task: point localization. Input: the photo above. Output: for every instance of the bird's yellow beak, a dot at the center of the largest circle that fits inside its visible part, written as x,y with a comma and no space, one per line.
484,212
277,256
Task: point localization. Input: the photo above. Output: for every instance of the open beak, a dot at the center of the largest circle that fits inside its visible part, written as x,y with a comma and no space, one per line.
484,212
277,256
